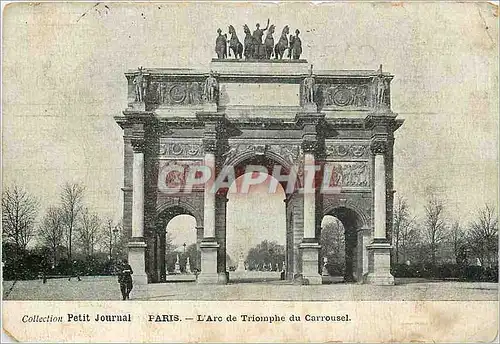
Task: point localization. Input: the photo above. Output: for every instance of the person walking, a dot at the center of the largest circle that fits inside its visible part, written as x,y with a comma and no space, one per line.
125,279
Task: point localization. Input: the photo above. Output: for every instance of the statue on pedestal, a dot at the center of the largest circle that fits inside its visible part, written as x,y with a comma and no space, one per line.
241,264
381,87
188,266
140,86
309,83
324,271
177,269
211,88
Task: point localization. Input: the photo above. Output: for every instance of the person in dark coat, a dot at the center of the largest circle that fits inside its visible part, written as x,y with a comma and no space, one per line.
125,279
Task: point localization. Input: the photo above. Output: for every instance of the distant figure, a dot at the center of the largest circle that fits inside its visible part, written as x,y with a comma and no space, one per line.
125,279
74,272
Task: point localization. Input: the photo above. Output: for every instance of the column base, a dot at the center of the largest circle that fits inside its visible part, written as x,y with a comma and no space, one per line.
208,274
379,263
310,256
223,277
136,259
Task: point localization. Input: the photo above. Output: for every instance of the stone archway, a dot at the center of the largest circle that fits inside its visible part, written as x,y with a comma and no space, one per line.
353,140
165,213
268,161
354,232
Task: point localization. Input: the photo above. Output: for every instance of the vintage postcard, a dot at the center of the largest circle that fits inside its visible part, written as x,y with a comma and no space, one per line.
250,171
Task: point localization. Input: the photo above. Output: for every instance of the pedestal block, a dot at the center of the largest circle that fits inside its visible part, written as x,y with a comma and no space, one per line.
309,108
310,255
136,259
137,106
379,264
223,277
208,274
209,107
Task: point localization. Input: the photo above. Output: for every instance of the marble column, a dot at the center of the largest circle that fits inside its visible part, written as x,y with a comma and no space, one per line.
310,246
209,245
379,265
137,244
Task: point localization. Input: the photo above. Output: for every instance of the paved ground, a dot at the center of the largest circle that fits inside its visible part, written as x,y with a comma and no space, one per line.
260,286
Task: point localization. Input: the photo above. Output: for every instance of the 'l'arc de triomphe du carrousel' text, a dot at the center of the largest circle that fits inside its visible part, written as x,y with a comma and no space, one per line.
326,136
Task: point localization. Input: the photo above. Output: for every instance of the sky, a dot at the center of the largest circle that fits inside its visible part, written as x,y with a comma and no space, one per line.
63,81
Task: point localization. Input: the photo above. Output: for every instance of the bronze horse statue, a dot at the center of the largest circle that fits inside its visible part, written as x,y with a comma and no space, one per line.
269,42
282,45
249,43
235,44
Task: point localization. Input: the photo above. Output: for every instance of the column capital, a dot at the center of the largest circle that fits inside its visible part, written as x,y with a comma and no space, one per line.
309,146
210,145
379,147
138,144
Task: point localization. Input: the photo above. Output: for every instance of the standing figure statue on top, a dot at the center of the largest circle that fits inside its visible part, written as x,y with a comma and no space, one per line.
220,45
259,51
381,87
269,42
295,46
140,86
258,33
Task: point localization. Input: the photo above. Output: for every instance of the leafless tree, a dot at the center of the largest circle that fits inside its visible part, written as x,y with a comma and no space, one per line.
71,206
112,238
89,231
19,211
434,224
51,232
483,235
403,229
457,238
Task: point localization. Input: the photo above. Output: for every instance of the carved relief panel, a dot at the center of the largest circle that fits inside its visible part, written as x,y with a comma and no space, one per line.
348,174
288,152
176,93
173,175
336,150
184,149
345,95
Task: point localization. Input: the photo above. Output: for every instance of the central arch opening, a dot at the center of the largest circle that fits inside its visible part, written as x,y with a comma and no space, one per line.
256,227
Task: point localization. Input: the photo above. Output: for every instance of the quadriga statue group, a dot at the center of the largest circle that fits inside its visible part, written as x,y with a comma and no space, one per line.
254,48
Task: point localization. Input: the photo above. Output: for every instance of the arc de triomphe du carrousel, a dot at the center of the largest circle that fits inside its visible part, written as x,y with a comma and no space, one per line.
326,136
